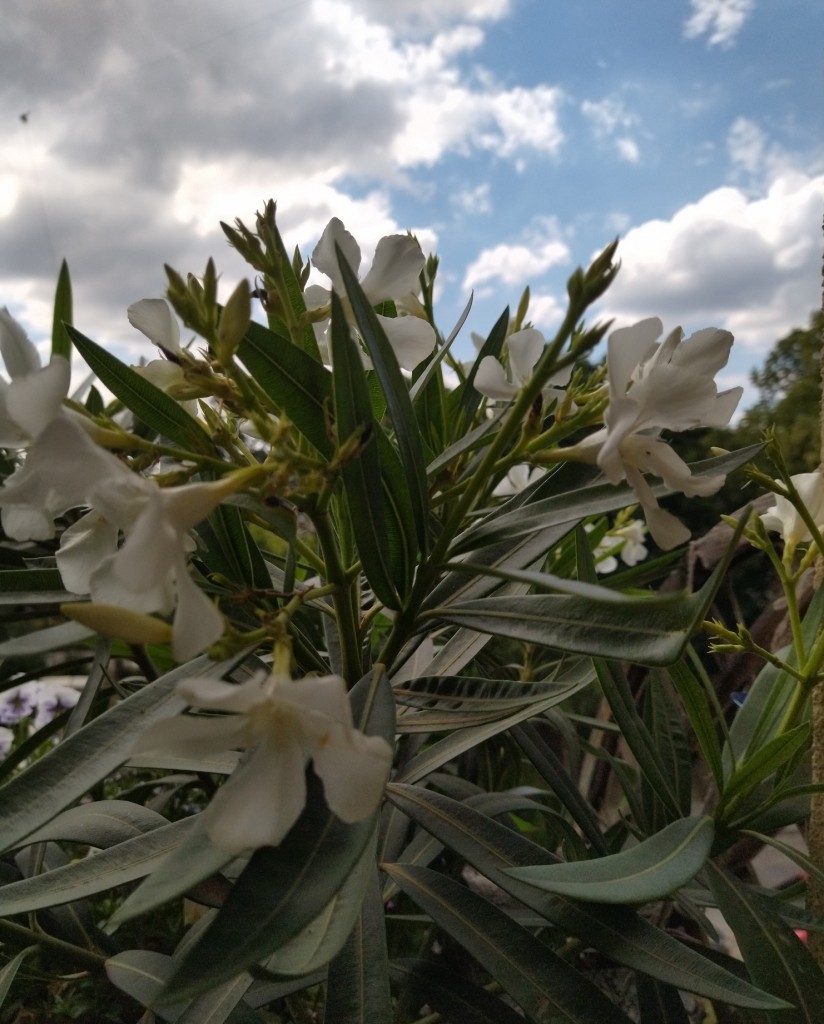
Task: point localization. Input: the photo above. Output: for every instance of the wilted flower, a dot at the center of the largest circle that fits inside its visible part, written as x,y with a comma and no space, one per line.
285,724
654,387
34,395
525,349
784,517
393,276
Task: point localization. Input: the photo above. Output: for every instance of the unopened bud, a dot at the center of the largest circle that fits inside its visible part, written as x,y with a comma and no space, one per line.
119,623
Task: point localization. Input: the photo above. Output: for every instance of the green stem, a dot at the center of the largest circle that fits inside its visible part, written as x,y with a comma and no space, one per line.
20,935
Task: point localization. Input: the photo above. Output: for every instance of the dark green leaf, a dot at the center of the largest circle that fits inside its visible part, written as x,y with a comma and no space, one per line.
465,399
764,762
361,472
61,342
775,958
697,706
652,870
153,406
447,993
232,549
299,386
397,397
618,932
357,987
540,981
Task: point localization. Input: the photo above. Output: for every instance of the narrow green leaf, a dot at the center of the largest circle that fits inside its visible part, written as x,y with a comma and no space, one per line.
541,982
361,473
102,823
61,342
433,364
62,776
765,762
398,401
774,956
144,399
645,630
665,724
579,503
793,854
193,859
544,759
232,549
447,993
357,986
618,932
466,399
141,973
52,638
658,1002
322,939
619,696
31,580
9,971
114,866
299,386
652,870
438,754
698,711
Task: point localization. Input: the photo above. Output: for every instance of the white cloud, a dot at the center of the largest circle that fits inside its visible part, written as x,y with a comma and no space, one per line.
607,118
546,312
746,144
719,20
520,263
748,264
473,201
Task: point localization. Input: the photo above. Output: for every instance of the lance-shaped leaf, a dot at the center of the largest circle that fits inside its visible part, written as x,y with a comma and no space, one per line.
61,342
579,503
465,399
543,984
231,548
299,386
357,986
361,471
653,869
447,993
775,957
397,397
618,932
144,399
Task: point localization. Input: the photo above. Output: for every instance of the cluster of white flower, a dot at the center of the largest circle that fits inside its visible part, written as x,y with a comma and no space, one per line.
652,387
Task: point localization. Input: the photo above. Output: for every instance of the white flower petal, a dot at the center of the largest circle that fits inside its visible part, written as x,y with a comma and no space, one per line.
190,736
354,769
491,381
261,801
19,354
216,695
395,268
525,349
34,400
83,547
412,340
197,622
325,258
627,348
155,319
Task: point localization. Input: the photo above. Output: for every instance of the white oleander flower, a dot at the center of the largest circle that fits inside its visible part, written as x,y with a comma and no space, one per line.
393,276
784,517
653,387
284,724
31,399
625,542
525,349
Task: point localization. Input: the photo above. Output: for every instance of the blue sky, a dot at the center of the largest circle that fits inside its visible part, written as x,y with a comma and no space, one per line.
516,137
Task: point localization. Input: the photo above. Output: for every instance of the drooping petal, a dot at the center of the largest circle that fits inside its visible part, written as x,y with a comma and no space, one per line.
197,623
155,319
19,354
83,547
412,340
667,531
491,381
525,348
262,799
325,258
395,268
191,736
354,769
216,695
34,400
627,348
